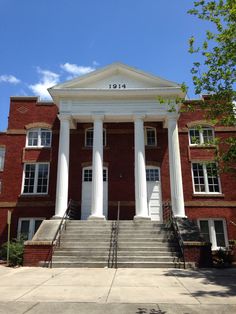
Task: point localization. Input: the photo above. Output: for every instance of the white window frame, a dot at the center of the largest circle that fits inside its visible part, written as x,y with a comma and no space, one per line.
145,136
90,168
2,157
39,137
104,137
35,178
205,127
154,168
212,232
32,221
205,179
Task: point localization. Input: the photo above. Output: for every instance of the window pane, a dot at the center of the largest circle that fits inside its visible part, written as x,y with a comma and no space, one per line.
207,135
151,136
89,137
37,224
42,184
204,227
33,138
24,230
87,175
212,177
2,157
152,174
198,177
194,136
29,178
46,137
104,175
219,230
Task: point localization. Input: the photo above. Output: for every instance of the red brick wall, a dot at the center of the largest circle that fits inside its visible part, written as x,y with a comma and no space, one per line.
118,156
34,254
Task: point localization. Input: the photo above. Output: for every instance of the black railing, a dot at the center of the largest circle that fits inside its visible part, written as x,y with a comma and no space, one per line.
112,258
56,242
171,220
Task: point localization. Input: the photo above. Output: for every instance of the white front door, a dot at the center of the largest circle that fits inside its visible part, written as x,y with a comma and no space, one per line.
87,192
154,193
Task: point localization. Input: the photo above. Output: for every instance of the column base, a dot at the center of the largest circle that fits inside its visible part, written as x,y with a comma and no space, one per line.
142,218
56,217
93,217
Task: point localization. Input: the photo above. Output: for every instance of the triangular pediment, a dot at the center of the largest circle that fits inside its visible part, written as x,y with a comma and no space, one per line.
116,76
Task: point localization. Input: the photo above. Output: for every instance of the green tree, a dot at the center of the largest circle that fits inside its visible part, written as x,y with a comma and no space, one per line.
215,74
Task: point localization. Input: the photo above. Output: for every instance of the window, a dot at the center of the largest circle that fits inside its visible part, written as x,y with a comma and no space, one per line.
204,135
89,137
214,231
39,138
150,136
152,174
2,157
27,227
35,179
88,175
205,178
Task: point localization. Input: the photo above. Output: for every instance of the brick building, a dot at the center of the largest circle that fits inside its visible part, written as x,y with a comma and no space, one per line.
112,136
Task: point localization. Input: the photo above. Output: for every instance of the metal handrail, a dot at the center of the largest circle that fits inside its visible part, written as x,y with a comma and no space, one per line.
56,242
117,232
112,258
172,220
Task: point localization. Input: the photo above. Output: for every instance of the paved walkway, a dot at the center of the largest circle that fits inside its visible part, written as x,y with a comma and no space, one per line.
123,291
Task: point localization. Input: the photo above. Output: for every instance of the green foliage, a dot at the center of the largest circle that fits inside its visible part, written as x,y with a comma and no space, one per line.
222,258
216,74
15,253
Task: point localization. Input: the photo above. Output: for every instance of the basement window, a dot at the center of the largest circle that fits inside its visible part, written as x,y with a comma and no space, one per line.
27,227
214,231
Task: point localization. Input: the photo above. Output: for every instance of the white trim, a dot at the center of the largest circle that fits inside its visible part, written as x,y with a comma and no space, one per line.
39,137
205,179
35,178
201,138
212,233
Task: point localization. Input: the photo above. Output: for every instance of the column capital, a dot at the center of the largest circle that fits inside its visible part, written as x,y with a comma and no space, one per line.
172,117
98,116
139,116
64,117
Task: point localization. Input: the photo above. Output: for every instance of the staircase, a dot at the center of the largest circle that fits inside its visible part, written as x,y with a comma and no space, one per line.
140,244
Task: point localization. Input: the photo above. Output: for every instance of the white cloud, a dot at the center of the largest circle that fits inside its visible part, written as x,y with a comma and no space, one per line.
9,79
76,70
47,79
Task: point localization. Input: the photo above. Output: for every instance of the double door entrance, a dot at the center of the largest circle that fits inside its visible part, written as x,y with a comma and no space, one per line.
153,192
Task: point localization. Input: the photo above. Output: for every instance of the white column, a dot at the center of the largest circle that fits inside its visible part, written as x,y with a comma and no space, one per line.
97,179
141,209
63,167
177,197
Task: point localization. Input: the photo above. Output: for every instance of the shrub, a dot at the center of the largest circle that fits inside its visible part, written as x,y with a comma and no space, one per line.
15,252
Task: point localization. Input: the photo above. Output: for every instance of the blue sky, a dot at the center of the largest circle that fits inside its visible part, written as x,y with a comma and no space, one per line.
46,42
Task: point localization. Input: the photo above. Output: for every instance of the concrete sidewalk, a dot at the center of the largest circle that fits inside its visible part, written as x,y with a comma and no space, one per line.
136,291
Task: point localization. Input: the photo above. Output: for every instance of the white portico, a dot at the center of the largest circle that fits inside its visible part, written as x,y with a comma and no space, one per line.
118,93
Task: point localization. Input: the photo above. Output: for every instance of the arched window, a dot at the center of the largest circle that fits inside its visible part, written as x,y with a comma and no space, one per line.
201,135
39,137
150,136
89,137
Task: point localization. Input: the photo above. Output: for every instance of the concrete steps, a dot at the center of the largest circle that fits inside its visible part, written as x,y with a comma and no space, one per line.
140,244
